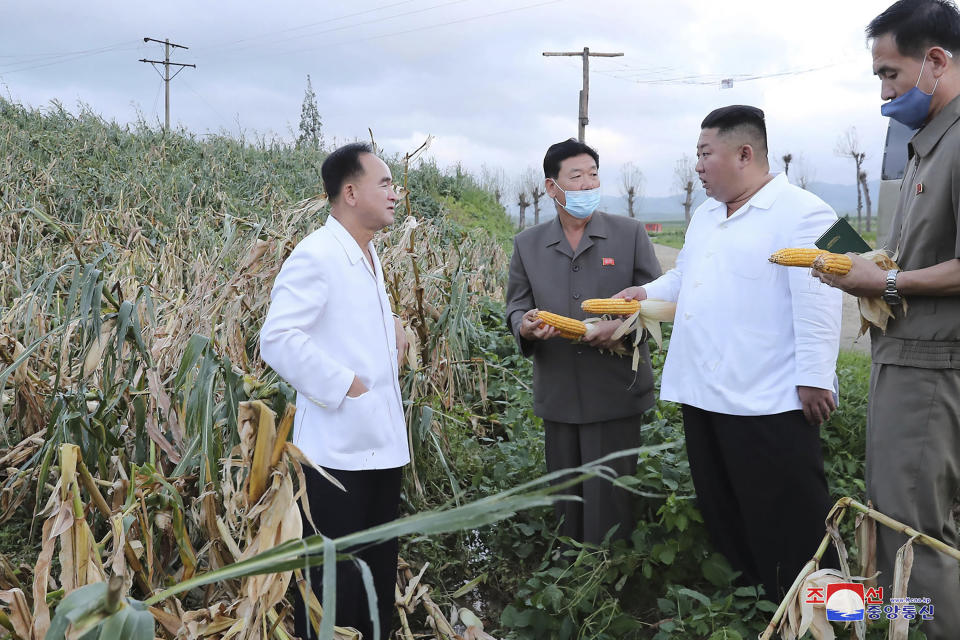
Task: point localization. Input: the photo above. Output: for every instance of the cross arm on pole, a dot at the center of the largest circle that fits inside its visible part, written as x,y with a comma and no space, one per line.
177,64
172,44
580,53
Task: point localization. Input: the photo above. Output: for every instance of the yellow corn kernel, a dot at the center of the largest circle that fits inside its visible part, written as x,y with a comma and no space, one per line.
613,306
833,263
568,327
796,257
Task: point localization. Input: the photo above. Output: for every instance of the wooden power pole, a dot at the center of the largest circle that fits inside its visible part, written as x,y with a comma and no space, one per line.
585,92
166,74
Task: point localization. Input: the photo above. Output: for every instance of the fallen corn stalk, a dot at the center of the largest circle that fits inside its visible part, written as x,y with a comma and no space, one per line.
790,617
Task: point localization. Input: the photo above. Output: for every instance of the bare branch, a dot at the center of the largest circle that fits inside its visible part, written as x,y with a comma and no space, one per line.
685,177
632,183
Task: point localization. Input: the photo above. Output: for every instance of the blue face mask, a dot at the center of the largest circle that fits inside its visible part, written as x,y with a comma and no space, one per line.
580,204
913,107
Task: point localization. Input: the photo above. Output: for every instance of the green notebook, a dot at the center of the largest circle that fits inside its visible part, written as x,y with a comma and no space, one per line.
841,238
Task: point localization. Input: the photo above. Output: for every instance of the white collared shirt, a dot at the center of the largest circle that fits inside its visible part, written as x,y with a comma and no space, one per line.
748,332
330,319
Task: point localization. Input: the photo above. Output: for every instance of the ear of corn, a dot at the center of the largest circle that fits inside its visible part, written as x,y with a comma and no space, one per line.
834,263
801,257
613,306
568,327
825,261
659,310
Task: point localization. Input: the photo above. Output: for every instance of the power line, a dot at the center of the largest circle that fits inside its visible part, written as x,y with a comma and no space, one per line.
423,28
29,66
357,24
205,101
709,79
303,26
33,57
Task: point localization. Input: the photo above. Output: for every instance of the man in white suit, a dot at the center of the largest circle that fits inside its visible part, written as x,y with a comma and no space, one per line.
330,333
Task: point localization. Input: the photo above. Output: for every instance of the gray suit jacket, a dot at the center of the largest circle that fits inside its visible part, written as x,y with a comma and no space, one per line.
573,382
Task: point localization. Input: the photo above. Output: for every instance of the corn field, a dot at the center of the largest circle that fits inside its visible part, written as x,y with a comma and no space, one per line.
144,442
148,487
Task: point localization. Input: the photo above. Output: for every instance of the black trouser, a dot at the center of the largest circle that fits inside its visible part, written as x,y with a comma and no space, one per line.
761,490
372,498
604,504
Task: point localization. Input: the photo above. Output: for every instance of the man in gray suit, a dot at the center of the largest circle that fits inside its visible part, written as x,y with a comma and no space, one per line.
590,400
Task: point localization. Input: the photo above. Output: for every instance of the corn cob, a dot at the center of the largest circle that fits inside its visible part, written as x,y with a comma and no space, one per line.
796,257
614,306
834,263
654,310
568,327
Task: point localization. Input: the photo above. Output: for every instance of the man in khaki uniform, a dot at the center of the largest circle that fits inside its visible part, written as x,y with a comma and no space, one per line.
591,401
913,421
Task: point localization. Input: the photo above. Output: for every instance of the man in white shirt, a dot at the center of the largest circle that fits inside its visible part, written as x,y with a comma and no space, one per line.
330,333
752,356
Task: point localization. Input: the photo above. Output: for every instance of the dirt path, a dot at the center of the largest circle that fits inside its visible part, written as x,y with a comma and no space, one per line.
851,316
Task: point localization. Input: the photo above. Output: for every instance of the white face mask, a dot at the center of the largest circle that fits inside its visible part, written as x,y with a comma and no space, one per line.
580,204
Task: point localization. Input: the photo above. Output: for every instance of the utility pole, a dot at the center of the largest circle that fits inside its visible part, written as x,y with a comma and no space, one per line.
166,74
585,92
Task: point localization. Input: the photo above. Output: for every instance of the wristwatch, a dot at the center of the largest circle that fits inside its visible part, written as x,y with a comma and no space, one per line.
890,294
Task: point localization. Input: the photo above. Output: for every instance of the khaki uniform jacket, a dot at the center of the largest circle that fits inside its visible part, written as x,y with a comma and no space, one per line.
926,232
572,382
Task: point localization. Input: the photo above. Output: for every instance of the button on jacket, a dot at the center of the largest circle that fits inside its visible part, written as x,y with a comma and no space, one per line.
748,332
330,319
576,383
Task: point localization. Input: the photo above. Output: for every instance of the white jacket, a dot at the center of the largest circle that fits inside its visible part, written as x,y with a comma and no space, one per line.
748,332
330,319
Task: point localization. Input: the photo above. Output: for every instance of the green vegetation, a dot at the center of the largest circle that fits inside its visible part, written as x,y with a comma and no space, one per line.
671,236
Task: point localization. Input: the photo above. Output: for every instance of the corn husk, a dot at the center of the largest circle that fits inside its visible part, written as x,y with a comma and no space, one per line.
649,317
874,311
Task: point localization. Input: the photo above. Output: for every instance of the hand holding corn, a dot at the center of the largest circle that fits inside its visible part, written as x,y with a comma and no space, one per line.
837,270
863,276
600,334
632,293
562,326
596,333
532,327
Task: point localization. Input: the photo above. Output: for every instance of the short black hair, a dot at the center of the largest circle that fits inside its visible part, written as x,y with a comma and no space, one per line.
917,25
742,118
341,165
559,152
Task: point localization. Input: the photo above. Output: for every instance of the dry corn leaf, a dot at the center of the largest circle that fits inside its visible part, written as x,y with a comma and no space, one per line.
95,355
900,626
41,579
874,311
19,615
803,616
866,534
257,426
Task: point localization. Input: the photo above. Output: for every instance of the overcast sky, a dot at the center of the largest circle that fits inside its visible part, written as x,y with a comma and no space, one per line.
469,72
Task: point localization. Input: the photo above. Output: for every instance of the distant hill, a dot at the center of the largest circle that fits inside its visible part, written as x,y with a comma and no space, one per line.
842,197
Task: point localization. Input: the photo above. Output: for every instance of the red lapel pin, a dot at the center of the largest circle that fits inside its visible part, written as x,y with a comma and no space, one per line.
608,262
